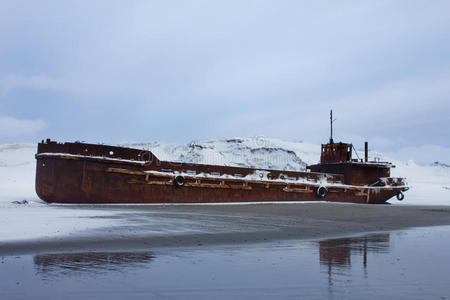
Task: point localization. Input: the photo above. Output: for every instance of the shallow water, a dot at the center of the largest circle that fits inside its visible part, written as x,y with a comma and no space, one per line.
409,264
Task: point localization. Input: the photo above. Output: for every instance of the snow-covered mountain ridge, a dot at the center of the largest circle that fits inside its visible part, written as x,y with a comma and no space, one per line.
241,152
430,184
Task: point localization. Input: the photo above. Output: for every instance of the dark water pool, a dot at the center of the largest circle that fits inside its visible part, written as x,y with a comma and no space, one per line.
410,264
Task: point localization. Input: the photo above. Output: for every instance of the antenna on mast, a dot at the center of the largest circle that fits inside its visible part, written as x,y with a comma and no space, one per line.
331,123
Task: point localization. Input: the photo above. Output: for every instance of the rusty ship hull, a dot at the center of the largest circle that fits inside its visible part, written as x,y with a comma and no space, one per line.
90,173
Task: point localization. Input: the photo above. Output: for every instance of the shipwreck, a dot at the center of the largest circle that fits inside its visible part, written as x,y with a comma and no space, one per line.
90,173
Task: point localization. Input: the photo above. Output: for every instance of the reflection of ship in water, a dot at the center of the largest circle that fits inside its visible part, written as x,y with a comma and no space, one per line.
73,264
337,252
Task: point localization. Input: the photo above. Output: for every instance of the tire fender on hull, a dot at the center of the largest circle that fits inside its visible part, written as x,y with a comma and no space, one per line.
321,192
179,181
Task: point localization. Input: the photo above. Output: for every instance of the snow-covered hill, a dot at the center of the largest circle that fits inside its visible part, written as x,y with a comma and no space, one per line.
241,152
17,172
430,184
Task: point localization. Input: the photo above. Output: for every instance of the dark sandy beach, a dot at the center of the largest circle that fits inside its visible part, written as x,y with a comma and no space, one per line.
201,225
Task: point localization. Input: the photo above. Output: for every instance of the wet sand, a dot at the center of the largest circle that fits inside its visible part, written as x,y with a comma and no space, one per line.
201,225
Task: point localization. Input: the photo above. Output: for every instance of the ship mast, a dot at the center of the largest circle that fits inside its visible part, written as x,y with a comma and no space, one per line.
331,123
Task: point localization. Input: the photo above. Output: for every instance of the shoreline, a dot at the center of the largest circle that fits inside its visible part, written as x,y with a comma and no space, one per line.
228,224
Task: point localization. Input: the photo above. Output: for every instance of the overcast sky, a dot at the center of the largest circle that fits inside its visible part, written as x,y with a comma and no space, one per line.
175,71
